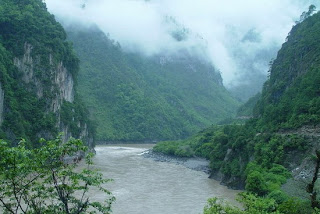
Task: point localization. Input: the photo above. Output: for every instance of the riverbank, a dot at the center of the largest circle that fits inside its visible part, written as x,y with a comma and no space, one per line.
148,186
194,163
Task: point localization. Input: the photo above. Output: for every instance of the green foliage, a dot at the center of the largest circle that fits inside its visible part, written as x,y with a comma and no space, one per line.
28,25
295,206
26,115
279,196
29,22
216,144
45,180
230,149
166,147
258,152
246,110
174,148
139,98
273,148
216,206
290,98
251,205
256,183
76,117
262,180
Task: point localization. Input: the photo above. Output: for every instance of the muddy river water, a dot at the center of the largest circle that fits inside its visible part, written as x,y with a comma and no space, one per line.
145,186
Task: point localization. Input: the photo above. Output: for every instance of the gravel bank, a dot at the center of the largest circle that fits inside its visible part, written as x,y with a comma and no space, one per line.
198,164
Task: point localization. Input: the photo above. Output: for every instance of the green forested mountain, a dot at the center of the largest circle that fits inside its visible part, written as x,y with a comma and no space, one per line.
291,97
246,109
37,74
137,98
283,133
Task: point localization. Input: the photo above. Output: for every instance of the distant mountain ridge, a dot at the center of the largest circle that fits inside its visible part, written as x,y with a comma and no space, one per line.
137,98
283,134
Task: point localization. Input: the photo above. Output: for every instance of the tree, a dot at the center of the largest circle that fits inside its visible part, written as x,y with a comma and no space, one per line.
45,180
305,15
251,204
256,183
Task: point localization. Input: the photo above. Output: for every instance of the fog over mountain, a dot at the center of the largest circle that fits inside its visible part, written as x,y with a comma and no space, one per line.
238,37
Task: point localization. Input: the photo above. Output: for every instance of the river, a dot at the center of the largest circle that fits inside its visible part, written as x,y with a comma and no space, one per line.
144,186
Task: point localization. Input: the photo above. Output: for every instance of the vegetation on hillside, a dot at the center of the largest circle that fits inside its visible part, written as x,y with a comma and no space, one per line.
26,115
257,155
246,110
45,180
290,98
136,98
258,205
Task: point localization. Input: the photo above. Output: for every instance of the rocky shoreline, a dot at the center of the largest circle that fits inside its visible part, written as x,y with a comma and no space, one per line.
194,163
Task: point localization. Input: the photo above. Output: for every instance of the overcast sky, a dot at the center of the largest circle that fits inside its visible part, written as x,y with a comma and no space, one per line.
227,32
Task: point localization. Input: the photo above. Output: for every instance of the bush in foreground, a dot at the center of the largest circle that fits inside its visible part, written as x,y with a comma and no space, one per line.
42,180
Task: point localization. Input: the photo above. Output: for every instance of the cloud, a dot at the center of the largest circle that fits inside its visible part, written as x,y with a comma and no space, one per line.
230,33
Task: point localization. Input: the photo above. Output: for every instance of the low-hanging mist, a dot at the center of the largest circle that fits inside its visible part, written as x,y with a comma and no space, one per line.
238,37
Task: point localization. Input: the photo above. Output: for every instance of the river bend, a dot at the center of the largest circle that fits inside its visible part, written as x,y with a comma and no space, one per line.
144,186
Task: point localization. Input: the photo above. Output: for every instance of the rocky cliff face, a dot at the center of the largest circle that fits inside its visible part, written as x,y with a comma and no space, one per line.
38,69
60,86
59,76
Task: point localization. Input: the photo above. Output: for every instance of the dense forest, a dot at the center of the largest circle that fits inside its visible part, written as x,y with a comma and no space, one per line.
131,97
37,76
38,99
282,134
137,98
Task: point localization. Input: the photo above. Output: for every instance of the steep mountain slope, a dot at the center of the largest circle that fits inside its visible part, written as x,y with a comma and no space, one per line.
37,76
285,130
137,98
290,97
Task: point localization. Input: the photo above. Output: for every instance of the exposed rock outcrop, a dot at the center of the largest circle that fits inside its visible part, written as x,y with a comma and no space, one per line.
38,72
54,79
26,64
301,164
233,182
62,83
194,163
